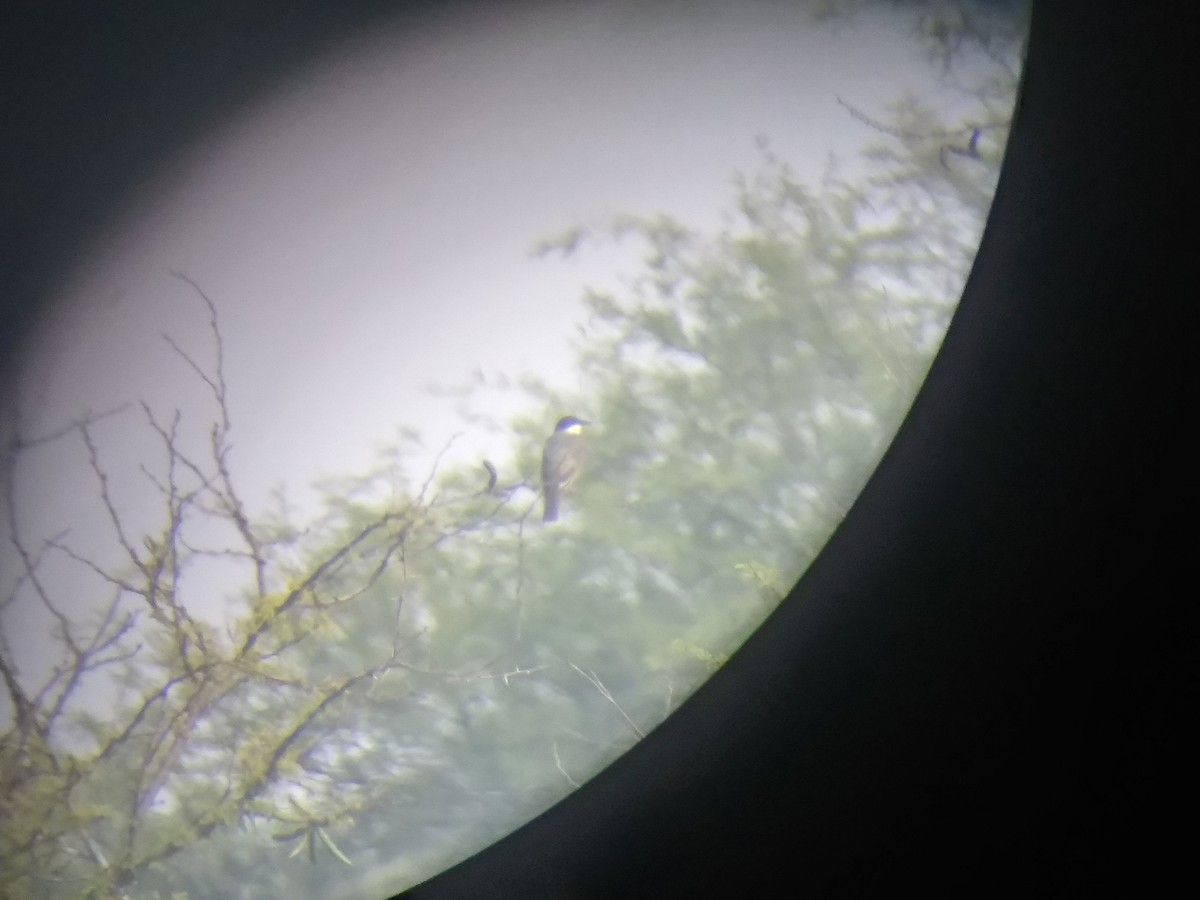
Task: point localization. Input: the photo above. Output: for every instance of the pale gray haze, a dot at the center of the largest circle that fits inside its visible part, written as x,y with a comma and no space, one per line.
366,232
366,229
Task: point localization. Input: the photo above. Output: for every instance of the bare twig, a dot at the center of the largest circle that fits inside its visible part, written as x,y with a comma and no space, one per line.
205,688
21,443
106,494
595,681
217,382
559,765
971,131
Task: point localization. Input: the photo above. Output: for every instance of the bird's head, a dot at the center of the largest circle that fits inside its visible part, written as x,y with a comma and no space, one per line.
570,425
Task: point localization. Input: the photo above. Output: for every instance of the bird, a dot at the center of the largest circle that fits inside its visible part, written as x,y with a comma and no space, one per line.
562,461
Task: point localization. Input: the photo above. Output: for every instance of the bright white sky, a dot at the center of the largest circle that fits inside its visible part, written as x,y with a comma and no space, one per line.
366,230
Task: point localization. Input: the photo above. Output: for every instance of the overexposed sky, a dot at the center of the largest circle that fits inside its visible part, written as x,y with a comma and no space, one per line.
365,230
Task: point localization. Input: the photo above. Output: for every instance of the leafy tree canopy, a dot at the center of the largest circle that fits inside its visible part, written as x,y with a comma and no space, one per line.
425,665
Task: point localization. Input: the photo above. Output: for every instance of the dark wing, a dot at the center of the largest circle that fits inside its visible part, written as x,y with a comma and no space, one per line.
562,460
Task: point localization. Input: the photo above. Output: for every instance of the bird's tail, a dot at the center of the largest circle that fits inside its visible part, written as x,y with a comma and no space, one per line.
550,510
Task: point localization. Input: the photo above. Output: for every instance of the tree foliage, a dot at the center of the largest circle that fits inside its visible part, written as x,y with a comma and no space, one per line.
425,664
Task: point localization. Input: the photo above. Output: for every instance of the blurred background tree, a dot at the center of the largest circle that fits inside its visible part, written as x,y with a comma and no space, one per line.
426,665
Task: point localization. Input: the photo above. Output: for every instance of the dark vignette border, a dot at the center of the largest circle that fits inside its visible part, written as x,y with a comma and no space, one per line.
977,682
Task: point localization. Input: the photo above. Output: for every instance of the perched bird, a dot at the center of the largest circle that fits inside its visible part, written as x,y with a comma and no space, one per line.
562,461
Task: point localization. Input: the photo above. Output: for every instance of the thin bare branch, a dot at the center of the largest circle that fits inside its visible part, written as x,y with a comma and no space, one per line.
105,637
217,382
24,708
559,765
112,579
106,494
191,362
237,511
595,681
87,419
317,573
877,125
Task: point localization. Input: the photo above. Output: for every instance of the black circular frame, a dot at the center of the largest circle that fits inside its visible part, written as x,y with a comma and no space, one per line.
974,682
